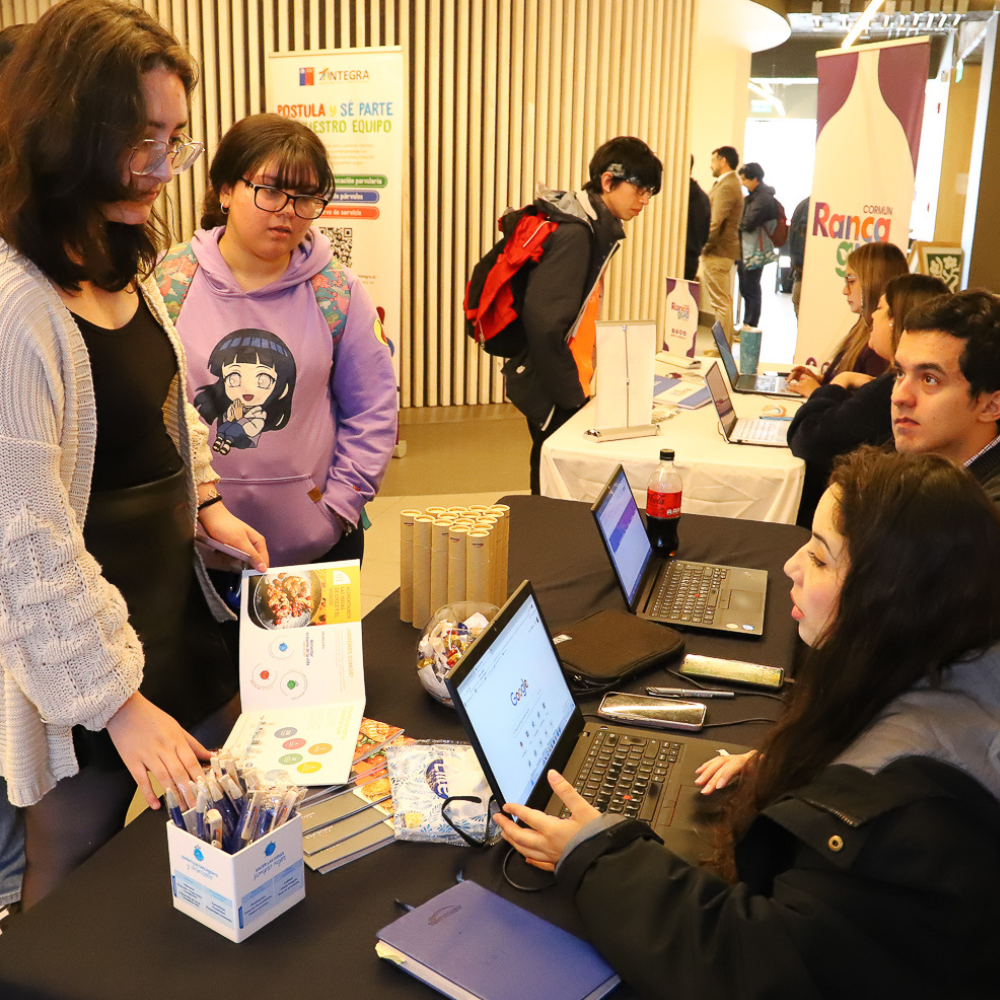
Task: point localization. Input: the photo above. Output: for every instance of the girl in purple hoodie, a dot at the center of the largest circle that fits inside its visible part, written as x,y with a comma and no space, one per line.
287,362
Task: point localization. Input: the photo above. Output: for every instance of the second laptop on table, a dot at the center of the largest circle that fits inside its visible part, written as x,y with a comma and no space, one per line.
674,591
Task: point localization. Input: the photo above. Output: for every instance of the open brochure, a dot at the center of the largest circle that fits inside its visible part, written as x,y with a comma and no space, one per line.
302,681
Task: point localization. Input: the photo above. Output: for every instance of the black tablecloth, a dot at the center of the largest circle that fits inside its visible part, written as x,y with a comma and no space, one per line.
110,931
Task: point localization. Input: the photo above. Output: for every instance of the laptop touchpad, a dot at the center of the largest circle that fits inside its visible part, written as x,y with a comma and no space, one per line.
746,601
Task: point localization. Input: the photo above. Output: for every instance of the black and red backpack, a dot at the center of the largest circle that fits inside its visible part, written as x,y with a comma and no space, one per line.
494,294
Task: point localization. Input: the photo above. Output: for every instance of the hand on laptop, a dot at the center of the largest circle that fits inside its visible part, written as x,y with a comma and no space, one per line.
543,838
803,380
720,771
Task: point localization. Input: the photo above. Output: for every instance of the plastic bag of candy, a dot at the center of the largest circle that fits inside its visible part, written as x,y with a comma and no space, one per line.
440,794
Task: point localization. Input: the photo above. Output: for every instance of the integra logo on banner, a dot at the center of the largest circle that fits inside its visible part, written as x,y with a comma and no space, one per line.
873,225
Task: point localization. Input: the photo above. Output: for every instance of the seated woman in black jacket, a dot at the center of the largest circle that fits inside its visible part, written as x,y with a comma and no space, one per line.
861,851
854,408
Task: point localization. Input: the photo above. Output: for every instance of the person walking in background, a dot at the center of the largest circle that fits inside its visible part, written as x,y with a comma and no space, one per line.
760,214
699,219
287,362
722,248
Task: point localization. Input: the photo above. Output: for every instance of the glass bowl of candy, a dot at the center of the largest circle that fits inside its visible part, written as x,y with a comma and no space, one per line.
449,633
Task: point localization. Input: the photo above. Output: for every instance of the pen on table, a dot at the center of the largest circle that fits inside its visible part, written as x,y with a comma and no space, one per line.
658,692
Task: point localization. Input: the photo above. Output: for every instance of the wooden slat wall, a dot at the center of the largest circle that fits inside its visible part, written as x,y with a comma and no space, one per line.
503,94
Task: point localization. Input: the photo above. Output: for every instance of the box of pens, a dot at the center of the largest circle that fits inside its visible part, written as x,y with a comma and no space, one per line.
236,851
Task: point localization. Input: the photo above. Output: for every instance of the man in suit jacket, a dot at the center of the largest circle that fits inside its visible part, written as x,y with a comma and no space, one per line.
723,246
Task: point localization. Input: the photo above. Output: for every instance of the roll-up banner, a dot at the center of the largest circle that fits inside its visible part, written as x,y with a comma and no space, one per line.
354,100
868,119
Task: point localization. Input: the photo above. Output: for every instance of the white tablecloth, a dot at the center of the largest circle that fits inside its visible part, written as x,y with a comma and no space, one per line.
727,480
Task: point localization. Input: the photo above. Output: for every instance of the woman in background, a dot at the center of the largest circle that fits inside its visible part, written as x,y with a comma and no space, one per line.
861,854
109,643
870,267
854,409
760,214
287,362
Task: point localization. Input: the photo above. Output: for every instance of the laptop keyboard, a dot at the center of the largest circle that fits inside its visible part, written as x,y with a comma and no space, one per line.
625,774
688,592
762,430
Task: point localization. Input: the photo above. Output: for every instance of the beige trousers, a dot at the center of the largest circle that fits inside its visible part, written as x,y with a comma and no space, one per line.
717,280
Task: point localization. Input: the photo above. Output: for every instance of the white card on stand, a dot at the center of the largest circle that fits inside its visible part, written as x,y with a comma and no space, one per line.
626,354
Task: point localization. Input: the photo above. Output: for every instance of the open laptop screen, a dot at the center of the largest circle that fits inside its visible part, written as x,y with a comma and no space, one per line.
725,352
624,534
514,698
721,398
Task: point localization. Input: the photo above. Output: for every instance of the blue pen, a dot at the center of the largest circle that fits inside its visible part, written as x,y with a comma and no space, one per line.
174,808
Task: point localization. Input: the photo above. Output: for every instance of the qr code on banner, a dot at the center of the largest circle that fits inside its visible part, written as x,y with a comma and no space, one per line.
342,239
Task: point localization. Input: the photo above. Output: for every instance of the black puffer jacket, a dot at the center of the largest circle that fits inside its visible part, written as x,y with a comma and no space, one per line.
879,879
544,375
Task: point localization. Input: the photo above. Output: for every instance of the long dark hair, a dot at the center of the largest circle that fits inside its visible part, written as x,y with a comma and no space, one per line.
905,293
250,347
920,596
77,74
299,156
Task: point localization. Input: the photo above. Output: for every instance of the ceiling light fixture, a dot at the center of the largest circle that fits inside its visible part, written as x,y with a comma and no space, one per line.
861,23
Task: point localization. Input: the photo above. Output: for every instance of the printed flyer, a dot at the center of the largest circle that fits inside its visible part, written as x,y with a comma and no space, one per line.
301,671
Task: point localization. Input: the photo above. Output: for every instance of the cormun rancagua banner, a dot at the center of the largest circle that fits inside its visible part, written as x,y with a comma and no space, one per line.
868,120
354,100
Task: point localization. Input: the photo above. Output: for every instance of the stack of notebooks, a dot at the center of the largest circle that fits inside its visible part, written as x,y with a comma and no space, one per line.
341,823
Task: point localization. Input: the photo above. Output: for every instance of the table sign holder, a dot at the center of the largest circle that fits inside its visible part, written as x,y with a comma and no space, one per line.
237,894
683,303
626,362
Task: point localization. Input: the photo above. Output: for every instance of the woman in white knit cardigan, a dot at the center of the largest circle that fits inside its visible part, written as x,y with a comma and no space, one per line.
105,470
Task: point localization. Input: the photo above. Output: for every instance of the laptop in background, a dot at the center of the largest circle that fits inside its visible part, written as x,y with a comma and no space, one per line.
743,430
674,591
510,693
762,385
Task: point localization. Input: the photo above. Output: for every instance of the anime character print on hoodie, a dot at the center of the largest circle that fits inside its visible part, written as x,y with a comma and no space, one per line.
299,399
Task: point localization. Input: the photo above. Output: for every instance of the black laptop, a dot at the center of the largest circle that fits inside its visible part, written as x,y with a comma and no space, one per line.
772,384
510,693
674,591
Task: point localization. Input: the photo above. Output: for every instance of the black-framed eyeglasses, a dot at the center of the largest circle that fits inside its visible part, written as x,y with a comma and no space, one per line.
148,155
272,199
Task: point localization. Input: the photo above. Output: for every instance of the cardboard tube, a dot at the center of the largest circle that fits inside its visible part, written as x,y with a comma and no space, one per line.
478,566
479,508
457,545
406,564
434,511
458,510
422,525
490,524
439,565
503,549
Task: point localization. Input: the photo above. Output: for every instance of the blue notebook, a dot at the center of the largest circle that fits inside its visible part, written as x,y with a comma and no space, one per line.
470,944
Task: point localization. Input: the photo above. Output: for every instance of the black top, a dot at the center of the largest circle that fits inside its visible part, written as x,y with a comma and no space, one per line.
132,368
834,421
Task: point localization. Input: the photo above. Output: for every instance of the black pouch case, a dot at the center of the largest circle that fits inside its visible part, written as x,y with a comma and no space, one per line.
611,646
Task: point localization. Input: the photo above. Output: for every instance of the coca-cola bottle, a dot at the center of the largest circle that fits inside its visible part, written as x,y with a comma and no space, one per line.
663,505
